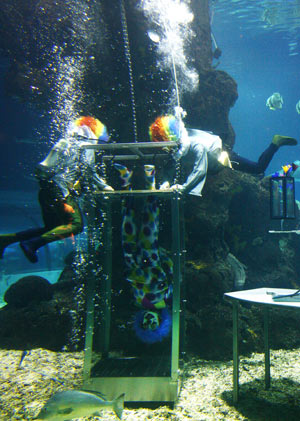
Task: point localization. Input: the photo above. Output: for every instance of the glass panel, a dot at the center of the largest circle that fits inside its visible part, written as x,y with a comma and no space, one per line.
277,197
290,197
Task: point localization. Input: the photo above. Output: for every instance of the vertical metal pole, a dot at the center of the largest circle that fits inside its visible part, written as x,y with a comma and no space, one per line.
176,285
235,311
90,307
182,338
89,329
267,348
106,282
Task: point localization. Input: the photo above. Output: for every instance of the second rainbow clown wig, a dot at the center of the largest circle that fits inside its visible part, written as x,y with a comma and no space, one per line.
165,128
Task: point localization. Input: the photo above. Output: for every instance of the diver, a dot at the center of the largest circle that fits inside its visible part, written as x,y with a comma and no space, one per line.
197,149
149,268
203,151
63,176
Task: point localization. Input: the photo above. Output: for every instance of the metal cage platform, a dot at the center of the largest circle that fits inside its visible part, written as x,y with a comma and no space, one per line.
154,379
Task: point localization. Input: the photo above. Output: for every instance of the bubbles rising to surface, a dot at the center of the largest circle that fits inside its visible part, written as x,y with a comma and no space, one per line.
66,50
172,34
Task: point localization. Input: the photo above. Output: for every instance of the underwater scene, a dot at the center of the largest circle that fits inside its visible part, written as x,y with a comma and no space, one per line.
149,199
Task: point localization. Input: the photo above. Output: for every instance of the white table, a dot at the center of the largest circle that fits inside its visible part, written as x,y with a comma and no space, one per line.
261,297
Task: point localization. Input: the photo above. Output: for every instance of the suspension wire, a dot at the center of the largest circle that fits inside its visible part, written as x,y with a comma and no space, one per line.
129,64
176,82
178,115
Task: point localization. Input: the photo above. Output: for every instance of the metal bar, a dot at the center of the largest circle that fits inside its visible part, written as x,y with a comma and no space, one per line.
136,389
132,146
88,348
135,157
235,311
183,284
90,305
176,244
117,193
267,348
284,232
106,282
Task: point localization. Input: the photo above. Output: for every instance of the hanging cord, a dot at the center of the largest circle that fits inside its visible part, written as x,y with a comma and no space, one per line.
179,114
176,83
129,64
217,52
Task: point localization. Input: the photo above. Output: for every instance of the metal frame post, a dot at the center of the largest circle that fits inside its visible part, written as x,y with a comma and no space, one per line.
106,281
235,311
176,245
90,301
267,348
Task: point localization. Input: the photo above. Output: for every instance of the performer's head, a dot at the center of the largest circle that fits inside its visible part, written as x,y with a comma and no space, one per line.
166,128
89,128
152,326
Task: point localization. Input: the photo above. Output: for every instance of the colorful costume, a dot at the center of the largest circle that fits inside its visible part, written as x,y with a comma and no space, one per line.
149,269
65,172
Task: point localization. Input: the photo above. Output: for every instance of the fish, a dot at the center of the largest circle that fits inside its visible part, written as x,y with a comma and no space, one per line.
292,170
298,107
275,101
69,404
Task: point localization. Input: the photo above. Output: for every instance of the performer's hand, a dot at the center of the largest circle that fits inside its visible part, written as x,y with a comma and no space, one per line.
165,186
178,187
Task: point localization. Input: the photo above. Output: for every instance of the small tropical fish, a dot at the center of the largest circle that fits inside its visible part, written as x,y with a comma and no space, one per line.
287,168
64,406
292,170
275,101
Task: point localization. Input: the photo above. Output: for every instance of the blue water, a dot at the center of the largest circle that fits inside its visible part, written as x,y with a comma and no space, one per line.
258,57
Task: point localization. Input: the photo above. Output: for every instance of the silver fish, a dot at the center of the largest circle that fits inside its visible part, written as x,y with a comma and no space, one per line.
275,101
64,406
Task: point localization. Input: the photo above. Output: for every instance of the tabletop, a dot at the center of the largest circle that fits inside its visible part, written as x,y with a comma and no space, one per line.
264,296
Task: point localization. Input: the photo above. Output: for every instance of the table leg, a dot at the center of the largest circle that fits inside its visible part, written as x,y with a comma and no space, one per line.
235,352
267,348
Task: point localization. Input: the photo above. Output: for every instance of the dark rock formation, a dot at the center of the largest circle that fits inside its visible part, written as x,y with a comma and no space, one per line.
51,37
45,324
208,107
233,216
28,290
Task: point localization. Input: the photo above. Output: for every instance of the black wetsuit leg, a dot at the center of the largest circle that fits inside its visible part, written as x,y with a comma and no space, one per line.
242,164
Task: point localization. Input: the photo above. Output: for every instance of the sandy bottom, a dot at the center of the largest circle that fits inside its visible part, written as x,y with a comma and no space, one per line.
206,392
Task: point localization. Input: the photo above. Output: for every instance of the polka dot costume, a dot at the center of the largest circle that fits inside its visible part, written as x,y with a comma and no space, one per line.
149,268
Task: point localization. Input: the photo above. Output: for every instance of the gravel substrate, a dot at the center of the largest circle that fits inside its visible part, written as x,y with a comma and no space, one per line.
206,392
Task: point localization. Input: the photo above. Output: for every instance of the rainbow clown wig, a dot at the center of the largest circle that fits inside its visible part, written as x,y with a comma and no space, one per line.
89,124
165,128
